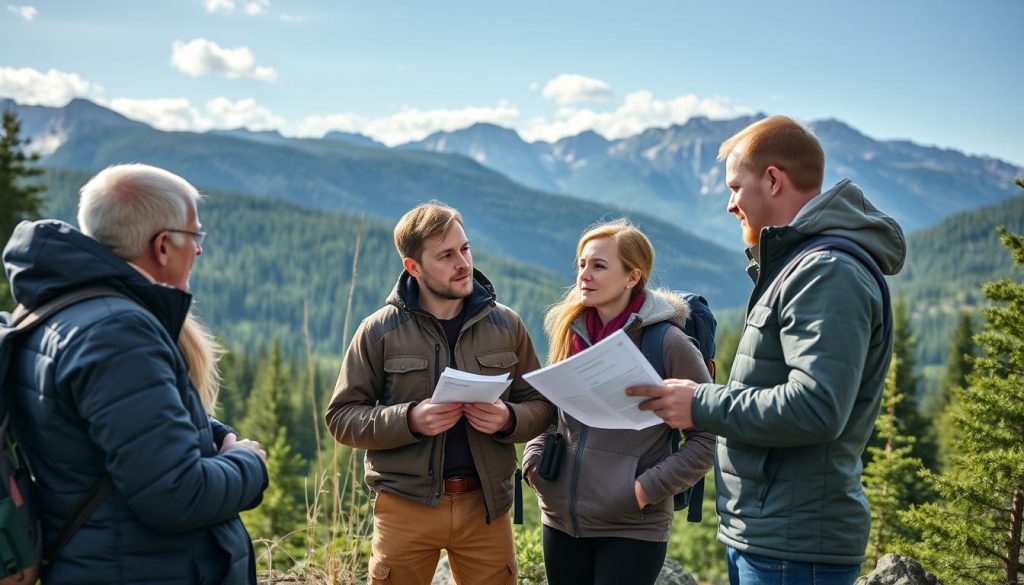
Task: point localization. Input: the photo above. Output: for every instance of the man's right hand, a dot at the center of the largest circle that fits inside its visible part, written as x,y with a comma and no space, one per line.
429,419
231,441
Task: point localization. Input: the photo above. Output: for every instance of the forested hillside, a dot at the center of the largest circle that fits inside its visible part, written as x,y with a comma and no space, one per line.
268,264
501,215
945,267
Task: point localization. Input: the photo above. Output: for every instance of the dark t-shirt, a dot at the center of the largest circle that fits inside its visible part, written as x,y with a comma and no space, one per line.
458,460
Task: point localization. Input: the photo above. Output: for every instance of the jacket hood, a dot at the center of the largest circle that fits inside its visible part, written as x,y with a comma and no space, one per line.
47,258
663,305
844,211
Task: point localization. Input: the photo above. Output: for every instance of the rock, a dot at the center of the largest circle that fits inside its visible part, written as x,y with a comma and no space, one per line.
897,570
672,573
443,573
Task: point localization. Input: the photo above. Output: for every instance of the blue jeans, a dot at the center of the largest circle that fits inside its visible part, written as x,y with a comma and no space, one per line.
749,569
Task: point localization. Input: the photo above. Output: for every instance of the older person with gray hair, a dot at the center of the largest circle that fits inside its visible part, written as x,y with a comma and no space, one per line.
102,400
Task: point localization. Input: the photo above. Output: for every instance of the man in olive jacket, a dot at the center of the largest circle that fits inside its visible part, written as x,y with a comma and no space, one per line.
442,473
807,379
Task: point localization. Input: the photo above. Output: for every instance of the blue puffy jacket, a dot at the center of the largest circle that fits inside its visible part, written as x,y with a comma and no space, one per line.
100,389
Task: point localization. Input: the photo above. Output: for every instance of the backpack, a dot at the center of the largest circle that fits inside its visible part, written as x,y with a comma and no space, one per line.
700,328
21,535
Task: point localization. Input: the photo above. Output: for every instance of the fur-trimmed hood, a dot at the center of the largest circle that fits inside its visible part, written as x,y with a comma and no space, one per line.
661,304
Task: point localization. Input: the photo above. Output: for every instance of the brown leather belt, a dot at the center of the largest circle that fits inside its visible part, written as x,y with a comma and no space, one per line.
461,484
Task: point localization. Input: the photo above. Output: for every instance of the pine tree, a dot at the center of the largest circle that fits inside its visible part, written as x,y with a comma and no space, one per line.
281,516
280,519
889,476
235,386
958,367
19,195
976,536
268,409
907,416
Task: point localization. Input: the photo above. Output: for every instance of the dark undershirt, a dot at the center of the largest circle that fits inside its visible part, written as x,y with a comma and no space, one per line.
458,460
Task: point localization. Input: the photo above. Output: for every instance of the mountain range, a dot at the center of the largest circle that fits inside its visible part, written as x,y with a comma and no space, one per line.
673,173
668,180
345,175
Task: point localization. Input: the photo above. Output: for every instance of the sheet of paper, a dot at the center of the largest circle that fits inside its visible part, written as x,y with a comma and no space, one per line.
459,386
591,385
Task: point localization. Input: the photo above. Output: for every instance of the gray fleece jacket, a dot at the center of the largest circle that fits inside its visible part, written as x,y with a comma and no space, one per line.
594,493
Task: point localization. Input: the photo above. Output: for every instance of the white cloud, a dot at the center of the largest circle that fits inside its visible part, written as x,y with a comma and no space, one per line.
178,114
257,7
640,110
53,88
293,18
409,124
570,88
219,5
200,57
24,12
171,114
245,113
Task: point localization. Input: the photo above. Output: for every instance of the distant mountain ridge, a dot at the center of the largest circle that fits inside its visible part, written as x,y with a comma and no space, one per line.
530,226
674,173
670,173
49,128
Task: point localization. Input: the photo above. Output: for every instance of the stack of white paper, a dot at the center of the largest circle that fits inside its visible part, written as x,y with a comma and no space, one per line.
459,386
591,385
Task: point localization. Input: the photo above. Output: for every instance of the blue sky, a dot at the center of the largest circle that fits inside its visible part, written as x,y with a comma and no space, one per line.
943,73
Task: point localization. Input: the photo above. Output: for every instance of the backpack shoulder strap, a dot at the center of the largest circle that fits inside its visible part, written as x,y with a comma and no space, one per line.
652,340
818,244
23,319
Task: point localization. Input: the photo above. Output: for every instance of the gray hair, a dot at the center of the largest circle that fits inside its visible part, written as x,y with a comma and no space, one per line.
123,206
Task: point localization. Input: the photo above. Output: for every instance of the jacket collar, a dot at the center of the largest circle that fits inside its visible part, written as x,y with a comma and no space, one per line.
47,258
406,295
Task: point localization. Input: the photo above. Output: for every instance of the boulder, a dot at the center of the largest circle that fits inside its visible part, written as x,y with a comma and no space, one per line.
672,573
896,570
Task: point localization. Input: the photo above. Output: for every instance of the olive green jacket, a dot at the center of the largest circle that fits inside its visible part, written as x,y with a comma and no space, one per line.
394,361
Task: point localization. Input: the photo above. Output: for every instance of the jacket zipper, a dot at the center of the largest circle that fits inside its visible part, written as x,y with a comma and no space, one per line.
573,486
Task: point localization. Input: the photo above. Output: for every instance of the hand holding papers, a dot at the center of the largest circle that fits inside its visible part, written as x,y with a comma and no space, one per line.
591,385
459,386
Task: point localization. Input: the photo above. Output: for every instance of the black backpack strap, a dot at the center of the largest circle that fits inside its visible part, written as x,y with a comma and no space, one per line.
517,505
24,320
85,509
818,244
652,340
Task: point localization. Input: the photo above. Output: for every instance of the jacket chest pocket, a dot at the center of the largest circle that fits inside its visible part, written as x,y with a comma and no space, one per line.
495,363
760,339
406,379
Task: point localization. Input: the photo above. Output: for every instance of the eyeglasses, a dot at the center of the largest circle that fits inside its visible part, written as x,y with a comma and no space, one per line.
197,237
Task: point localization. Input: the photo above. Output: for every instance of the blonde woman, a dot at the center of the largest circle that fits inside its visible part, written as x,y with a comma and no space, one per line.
608,514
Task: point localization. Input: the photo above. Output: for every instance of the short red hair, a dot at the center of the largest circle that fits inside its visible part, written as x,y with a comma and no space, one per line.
781,142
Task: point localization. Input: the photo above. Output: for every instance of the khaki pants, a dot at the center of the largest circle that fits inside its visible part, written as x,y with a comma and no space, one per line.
408,538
